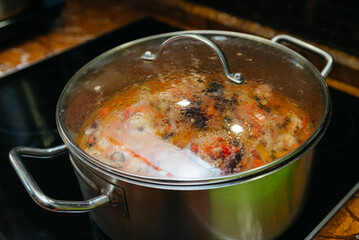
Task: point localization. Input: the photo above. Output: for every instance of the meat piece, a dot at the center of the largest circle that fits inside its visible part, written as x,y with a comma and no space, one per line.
196,117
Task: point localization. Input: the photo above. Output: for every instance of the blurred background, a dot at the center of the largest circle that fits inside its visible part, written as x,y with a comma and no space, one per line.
44,42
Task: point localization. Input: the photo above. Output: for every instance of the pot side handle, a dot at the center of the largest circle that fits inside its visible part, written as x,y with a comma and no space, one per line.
310,48
35,192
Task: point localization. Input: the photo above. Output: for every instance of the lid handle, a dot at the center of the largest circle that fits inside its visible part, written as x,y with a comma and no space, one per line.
234,77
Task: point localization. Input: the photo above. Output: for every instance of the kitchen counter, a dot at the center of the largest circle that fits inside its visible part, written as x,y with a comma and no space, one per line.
79,22
343,221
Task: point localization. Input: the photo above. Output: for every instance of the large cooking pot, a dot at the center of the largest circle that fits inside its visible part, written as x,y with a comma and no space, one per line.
257,204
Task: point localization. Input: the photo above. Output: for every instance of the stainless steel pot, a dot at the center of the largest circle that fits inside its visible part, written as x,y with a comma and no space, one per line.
257,204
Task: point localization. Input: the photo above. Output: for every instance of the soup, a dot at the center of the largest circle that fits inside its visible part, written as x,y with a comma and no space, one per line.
194,127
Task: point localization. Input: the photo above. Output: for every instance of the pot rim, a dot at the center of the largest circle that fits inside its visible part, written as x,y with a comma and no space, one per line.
292,156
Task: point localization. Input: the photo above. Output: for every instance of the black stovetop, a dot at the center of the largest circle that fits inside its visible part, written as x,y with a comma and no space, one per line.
28,100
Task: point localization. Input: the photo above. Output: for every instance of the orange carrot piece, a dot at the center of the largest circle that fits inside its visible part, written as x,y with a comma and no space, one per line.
105,111
258,163
211,111
132,110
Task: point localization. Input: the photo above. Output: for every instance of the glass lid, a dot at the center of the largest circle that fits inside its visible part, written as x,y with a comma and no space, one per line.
193,105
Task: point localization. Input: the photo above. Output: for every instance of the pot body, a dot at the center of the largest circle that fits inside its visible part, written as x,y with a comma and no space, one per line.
261,207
